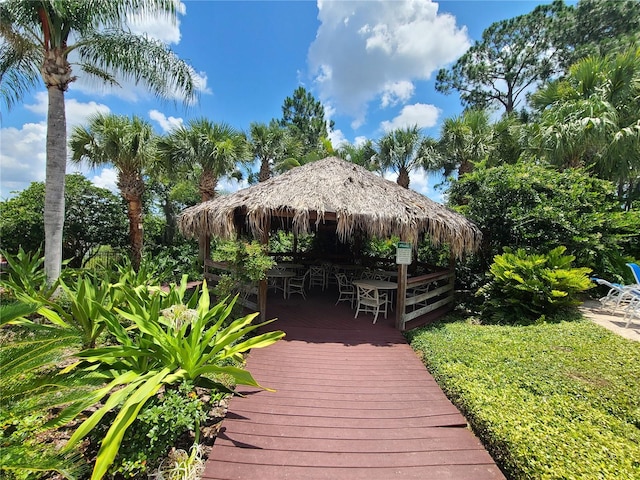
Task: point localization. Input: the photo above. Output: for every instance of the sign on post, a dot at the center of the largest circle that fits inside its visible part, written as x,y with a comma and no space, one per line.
403,253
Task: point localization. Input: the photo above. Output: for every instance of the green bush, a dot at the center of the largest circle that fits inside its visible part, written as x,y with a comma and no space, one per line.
530,206
527,287
168,342
149,440
549,401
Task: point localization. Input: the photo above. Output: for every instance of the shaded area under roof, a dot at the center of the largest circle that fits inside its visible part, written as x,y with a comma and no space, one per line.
333,190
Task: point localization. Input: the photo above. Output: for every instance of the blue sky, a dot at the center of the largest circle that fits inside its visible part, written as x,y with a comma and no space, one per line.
371,63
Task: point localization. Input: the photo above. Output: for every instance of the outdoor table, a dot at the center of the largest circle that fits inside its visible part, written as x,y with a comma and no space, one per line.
285,275
377,284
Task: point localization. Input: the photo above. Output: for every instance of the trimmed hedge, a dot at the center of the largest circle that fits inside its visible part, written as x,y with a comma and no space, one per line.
549,401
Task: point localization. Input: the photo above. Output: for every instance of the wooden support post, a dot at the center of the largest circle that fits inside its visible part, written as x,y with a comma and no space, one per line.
401,296
262,287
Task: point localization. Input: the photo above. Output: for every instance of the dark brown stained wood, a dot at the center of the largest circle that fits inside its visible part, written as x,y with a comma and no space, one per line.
352,401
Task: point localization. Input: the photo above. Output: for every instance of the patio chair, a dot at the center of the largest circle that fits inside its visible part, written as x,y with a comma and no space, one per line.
371,300
635,269
346,289
633,309
296,285
317,277
616,295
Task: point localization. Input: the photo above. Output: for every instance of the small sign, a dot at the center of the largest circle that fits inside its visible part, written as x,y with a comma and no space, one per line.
403,253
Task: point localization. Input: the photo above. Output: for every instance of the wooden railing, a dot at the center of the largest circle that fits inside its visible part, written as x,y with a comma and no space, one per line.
248,294
427,294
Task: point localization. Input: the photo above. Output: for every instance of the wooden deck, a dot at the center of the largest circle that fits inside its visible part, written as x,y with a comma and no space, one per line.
352,401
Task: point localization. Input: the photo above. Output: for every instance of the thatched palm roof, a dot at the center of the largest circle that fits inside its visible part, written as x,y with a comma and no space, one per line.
334,190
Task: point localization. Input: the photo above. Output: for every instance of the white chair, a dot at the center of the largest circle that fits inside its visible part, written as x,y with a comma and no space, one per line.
296,285
616,295
370,300
633,309
317,277
346,289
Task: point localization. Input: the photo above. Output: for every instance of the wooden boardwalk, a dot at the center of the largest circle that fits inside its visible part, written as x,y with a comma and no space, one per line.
352,401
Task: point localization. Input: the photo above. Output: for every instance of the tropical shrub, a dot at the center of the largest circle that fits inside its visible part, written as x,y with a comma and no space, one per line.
30,355
149,440
25,278
537,208
248,264
163,347
526,287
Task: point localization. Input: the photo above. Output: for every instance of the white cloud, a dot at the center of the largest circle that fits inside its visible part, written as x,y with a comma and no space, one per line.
76,112
420,114
23,156
167,124
159,27
366,50
107,178
397,92
337,138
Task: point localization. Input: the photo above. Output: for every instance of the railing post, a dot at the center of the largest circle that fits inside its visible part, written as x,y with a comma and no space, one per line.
401,296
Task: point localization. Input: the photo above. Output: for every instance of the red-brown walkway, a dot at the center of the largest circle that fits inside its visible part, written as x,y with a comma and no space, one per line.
352,401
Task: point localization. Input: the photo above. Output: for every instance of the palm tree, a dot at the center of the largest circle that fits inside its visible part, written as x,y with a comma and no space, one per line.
465,140
400,150
36,36
126,144
592,119
363,154
213,149
272,145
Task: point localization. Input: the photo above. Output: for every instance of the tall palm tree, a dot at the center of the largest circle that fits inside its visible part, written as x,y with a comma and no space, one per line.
465,140
212,149
400,150
125,144
272,145
36,37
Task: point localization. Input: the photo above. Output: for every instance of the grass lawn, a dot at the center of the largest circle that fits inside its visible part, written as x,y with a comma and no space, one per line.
550,401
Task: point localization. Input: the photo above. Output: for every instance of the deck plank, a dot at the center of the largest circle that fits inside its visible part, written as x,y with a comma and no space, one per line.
352,402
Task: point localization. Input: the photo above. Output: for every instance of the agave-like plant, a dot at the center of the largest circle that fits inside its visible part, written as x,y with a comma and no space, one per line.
162,347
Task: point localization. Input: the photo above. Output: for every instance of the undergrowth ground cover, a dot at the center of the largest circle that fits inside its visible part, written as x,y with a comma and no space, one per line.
550,401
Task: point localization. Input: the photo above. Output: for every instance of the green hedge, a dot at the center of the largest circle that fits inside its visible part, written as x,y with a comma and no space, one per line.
550,401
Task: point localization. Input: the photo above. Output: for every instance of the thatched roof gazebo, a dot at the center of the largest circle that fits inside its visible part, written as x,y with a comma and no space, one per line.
333,190
355,200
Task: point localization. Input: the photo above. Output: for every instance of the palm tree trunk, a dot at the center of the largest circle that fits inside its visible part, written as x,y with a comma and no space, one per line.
132,188
136,234
403,178
208,183
465,167
54,183
265,171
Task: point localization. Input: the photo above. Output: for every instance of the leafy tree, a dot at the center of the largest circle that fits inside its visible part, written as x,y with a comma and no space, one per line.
94,217
305,117
513,56
272,145
38,40
537,208
124,143
592,118
600,27
400,150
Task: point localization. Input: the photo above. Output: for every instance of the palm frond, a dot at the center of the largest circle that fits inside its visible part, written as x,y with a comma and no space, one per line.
141,60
